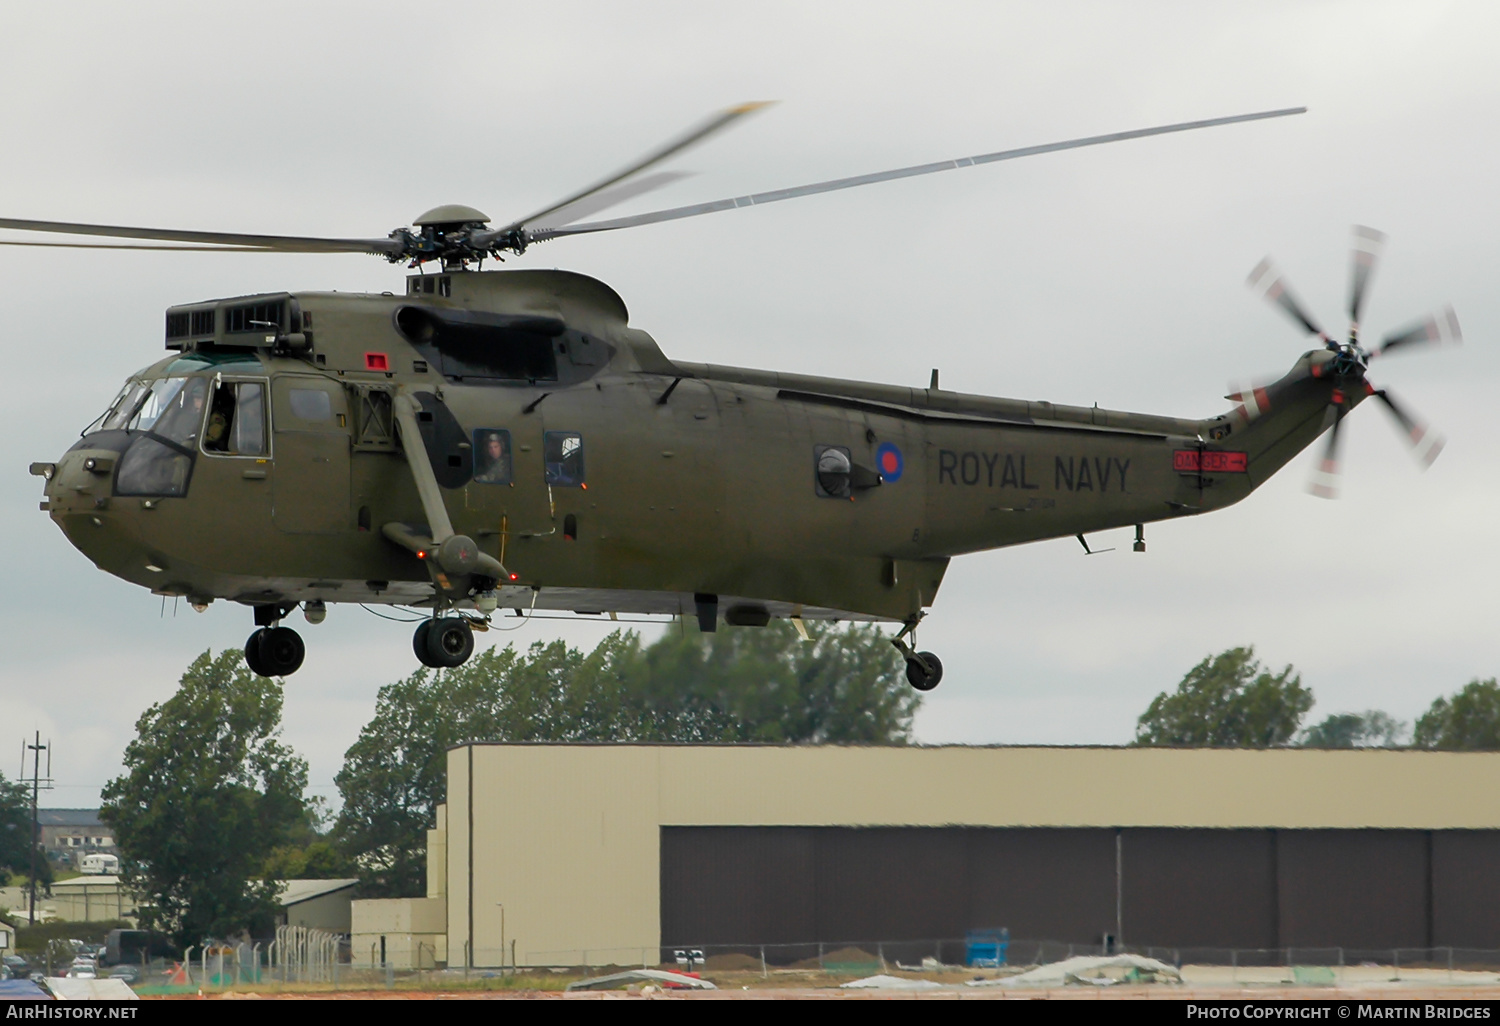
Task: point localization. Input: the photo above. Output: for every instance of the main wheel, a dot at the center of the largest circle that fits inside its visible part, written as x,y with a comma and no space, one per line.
924,672
419,643
450,641
281,651
252,653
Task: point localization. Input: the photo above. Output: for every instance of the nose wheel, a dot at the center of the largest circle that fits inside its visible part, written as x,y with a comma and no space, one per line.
274,651
443,643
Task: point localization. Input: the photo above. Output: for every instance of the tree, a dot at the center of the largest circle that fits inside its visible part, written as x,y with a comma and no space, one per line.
1369,729
1227,701
15,827
1467,721
209,791
765,684
737,684
318,859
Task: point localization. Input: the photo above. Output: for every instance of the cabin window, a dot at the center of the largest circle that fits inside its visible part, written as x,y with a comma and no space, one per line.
310,404
563,453
492,464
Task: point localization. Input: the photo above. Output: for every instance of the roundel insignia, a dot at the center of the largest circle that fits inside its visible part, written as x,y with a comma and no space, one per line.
889,463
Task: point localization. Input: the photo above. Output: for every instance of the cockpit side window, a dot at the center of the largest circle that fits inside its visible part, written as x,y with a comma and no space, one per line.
237,419
158,400
120,411
181,418
249,434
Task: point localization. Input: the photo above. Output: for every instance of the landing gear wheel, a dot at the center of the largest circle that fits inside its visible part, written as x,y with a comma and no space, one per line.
279,652
419,643
449,642
252,653
924,671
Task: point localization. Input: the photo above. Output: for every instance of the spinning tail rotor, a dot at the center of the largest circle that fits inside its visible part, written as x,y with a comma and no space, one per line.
1349,360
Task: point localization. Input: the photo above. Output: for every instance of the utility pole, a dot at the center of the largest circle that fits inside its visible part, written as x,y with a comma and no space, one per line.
36,748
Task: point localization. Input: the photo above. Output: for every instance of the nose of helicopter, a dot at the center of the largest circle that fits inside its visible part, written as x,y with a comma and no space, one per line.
78,497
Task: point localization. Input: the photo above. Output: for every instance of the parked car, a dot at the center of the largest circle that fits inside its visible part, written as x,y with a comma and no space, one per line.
84,967
17,967
129,973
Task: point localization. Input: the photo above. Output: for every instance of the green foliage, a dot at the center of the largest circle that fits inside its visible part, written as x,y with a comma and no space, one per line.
765,684
735,685
320,859
1369,729
15,827
209,791
34,939
1467,721
1227,701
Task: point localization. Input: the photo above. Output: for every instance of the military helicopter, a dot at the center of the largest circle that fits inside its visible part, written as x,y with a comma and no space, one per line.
504,439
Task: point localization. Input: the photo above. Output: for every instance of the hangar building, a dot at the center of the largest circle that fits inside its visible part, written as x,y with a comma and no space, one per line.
613,853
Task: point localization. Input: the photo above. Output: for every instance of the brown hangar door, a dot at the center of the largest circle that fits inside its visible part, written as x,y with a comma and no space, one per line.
310,419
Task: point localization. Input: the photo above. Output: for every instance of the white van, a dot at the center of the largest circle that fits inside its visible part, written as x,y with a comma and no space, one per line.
96,864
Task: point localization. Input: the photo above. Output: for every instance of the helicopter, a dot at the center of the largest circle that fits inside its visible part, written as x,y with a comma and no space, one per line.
495,440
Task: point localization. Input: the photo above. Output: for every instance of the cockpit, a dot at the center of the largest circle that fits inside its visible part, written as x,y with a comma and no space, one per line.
160,424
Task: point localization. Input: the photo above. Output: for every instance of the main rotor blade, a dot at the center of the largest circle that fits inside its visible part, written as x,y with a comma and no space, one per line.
1365,254
1425,443
691,137
835,184
1440,328
148,247
1252,399
1325,480
1269,282
606,198
281,243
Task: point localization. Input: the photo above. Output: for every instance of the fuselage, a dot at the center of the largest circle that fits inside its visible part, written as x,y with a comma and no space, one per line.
261,465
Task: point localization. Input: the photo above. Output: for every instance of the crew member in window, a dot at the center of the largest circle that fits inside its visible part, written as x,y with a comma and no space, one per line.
494,459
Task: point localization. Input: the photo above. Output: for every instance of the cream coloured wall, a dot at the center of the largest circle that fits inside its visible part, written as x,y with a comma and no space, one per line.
437,855
566,837
414,930
91,899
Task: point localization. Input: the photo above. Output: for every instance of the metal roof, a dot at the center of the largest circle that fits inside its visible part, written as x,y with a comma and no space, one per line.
68,817
294,891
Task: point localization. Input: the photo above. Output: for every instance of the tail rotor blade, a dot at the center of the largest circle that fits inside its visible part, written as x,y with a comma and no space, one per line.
1268,281
1425,443
1325,479
1365,254
1440,328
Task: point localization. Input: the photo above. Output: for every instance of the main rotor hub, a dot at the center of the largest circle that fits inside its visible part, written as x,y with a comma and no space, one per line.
455,234
451,215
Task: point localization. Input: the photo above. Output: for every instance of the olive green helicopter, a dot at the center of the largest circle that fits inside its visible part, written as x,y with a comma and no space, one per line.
495,440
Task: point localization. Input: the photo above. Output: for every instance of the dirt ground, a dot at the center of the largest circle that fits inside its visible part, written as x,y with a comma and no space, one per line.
1202,983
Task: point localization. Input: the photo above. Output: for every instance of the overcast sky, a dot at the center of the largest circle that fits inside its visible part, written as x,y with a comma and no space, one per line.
1112,275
